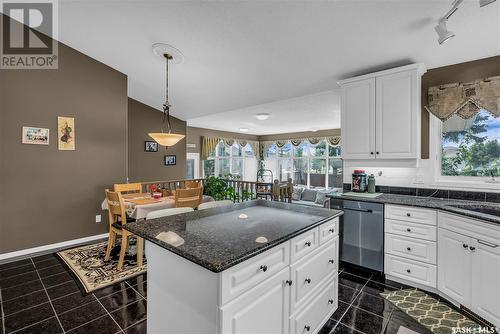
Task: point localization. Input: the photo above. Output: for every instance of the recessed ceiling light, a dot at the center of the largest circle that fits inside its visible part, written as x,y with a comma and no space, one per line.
243,129
314,129
262,116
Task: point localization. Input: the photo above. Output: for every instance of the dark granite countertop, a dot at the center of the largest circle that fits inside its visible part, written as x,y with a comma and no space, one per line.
433,203
218,239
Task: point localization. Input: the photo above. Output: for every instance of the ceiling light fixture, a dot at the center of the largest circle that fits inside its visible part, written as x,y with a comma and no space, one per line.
243,129
314,129
483,3
168,53
262,116
444,34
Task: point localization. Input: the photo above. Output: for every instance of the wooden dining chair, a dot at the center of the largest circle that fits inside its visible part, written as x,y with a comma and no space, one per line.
188,197
117,218
128,188
192,184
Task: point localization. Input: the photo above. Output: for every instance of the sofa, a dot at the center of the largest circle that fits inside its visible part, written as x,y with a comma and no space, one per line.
312,197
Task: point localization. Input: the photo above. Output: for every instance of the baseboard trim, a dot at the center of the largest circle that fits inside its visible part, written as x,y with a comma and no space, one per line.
8,257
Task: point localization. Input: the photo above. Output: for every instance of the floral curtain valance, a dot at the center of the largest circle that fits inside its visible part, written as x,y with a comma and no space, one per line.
208,145
296,142
465,99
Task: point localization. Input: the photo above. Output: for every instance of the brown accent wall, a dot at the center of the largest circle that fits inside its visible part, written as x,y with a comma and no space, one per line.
47,195
149,166
307,134
462,72
194,136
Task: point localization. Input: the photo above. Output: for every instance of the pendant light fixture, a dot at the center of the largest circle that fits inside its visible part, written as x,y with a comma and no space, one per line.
166,137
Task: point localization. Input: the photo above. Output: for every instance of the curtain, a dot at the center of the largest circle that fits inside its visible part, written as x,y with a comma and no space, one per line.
465,99
208,145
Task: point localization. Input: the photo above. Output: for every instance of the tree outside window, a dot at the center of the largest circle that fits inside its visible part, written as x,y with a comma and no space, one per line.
471,147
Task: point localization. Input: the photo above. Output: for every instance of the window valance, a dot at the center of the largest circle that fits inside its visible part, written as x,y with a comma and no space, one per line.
465,99
296,142
208,145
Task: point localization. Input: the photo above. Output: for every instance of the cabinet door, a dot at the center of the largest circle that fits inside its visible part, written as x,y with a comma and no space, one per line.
454,263
485,280
263,309
397,116
358,119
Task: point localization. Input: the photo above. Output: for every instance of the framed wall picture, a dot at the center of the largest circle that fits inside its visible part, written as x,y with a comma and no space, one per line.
150,146
36,136
170,160
66,133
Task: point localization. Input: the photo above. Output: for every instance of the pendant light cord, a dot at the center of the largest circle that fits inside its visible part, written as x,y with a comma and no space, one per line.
166,105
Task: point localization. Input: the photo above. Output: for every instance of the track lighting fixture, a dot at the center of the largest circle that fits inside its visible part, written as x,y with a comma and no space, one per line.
444,34
483,3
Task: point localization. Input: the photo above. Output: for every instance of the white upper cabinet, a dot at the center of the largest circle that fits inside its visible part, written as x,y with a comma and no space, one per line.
380,114
358,115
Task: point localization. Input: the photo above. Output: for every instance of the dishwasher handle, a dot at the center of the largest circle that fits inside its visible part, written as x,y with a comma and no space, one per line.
359,210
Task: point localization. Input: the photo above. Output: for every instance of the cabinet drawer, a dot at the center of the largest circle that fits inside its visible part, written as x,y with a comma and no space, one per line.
311,318
328,230
246,275
308,273
411,270
414,230
420,250
411,214
304,244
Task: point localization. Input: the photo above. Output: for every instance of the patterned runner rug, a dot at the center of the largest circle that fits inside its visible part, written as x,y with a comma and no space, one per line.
428,311
87,264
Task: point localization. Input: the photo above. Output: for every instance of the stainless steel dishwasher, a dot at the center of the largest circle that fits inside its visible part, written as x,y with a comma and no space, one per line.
362,234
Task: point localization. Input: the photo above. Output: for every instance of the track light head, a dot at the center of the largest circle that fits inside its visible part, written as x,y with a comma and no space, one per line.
483,3
443,33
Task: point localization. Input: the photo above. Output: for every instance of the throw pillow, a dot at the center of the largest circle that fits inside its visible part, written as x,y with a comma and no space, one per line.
297,193
309,195
321,196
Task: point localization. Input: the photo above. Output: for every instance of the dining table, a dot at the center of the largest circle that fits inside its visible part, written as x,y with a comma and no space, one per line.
138,205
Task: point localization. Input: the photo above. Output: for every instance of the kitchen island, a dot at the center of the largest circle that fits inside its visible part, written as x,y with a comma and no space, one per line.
254,267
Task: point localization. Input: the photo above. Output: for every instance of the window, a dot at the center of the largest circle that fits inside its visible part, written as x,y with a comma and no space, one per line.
232,162
471,147
310,165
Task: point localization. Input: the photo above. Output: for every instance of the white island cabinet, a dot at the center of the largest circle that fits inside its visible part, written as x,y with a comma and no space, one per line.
288,288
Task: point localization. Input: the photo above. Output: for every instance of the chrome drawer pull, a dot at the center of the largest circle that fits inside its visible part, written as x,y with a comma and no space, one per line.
408,249
308,280
486,243
330,301
465,246
331,261
308,244
408,271
263,268
307,328
408,214
408,230
331,230
289,282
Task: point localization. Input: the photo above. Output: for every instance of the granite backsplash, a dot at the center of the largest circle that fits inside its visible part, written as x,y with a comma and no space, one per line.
437,193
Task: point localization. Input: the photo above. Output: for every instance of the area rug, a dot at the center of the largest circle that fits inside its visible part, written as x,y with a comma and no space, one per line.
438,317
93,273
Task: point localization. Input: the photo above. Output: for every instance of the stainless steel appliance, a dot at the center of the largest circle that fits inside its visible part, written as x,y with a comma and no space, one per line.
361,233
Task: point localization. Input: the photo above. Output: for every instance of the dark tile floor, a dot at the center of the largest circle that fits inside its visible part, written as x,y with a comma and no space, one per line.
38,295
